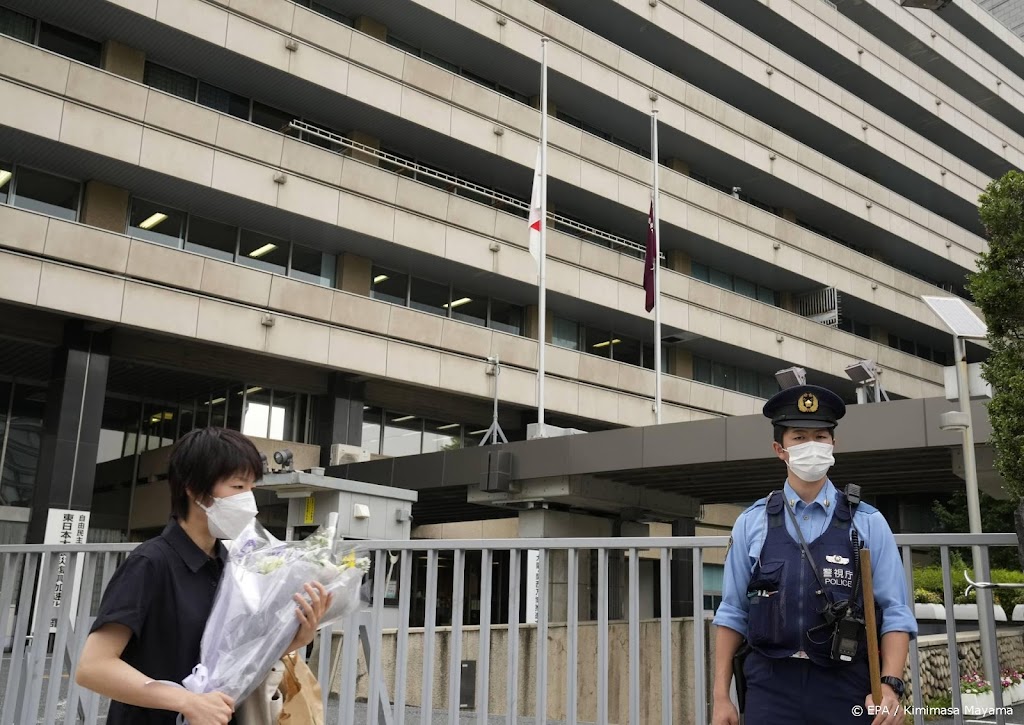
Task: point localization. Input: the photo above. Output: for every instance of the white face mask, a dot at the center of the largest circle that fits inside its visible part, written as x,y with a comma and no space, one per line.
810,461
227,517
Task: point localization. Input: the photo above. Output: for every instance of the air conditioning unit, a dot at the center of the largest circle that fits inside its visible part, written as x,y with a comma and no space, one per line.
341,454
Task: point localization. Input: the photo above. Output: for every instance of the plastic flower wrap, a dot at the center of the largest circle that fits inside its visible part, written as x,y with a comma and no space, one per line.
253,618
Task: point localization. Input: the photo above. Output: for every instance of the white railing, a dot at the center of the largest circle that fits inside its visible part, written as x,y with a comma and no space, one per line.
578,229
552,613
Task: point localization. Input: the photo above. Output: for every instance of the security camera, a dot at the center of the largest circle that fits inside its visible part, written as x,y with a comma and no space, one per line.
284,459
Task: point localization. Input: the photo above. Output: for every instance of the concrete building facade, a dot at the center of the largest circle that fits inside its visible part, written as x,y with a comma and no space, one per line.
307,220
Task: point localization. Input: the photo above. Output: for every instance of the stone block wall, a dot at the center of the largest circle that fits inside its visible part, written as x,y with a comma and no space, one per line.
934,655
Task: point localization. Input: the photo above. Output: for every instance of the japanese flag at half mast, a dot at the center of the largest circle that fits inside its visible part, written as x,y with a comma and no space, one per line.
536,212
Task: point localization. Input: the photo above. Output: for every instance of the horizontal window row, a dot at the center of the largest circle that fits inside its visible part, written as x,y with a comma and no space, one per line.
38,191
256,411
391,433
911,347
957,289
596,340
736,284
192,89
735,378
50,37
175,228
59,197
455,68
446,300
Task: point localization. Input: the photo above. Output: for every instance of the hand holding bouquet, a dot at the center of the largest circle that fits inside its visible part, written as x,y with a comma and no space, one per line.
254,613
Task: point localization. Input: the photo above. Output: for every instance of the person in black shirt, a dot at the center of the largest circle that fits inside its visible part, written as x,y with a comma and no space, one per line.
153,612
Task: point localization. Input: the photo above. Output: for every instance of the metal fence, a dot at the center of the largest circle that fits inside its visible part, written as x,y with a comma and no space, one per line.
587,650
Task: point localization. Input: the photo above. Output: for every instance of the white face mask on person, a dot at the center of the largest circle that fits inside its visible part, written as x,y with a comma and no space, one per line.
227,517
810,461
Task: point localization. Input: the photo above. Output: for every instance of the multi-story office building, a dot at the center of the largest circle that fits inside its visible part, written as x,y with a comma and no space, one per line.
1008,12
307,220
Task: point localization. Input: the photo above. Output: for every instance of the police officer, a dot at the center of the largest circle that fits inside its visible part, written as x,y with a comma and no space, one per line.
791,592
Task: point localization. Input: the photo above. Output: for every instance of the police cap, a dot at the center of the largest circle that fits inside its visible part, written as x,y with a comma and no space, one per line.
805,406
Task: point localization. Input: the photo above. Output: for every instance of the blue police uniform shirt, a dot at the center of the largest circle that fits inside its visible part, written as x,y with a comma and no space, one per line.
750,531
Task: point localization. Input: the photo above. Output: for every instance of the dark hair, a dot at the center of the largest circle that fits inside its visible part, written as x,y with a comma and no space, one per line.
780,430
205,456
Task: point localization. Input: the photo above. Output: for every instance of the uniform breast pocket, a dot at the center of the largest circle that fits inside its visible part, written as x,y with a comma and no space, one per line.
765,593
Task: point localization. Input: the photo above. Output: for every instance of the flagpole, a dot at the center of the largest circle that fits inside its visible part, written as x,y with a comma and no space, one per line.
542,291
657,267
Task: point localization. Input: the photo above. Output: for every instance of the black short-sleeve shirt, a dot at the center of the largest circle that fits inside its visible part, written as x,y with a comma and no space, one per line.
163,593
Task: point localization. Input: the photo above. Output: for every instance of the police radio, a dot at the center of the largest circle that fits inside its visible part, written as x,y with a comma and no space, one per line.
849,628
846,638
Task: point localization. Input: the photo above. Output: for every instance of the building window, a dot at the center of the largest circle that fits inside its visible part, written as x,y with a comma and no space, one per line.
270,117
372,422
224,101
156,223
46,193
17,25
262,252
598,342
468,307
855,327
6,174
627,350
389,286
439,435
402,435
429,297
507,317
211,239
312,265
170,81
566,333
731,377
70,45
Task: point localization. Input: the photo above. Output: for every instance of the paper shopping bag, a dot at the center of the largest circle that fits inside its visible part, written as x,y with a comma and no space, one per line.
303,698
263,706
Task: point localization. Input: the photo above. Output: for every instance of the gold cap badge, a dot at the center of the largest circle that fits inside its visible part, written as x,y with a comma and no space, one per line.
808,403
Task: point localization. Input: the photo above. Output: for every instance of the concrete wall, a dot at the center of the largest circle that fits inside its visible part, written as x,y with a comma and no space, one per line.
587,679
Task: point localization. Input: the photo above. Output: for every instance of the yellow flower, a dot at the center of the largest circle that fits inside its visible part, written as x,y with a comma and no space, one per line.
349,561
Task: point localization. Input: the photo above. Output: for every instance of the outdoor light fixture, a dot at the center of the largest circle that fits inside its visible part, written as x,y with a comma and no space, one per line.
150,222
458,303
380,278
5,176
263,250
865,373
284,458
791,377
925,4
606,343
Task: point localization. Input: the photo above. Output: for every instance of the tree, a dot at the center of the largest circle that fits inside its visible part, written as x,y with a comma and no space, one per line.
998,290
951,518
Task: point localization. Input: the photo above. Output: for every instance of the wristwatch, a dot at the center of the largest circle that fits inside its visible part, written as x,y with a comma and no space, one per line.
896,684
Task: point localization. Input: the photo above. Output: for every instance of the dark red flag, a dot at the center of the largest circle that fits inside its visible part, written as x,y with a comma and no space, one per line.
650,261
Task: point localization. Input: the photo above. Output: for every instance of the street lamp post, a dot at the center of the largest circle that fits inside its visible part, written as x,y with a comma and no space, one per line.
965,325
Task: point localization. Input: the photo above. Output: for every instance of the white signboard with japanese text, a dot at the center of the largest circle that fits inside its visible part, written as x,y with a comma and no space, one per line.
65,526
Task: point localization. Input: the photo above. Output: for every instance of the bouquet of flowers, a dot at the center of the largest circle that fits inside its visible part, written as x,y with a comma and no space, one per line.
253,618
